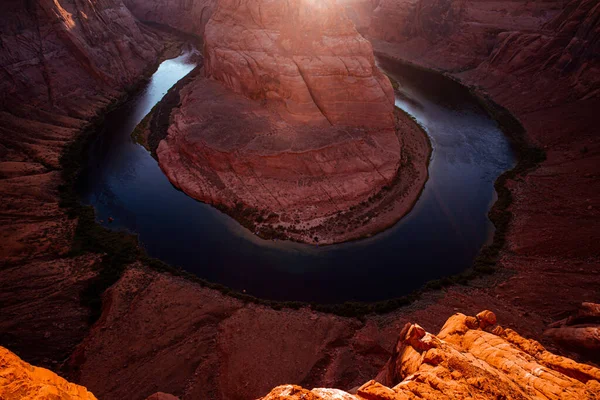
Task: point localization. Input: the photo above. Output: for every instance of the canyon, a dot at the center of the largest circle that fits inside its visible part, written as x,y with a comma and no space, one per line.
471,357
161,332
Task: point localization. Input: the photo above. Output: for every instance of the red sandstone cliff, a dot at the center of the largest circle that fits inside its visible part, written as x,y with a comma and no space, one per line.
304,57
552,253
295,121
546,72
60,63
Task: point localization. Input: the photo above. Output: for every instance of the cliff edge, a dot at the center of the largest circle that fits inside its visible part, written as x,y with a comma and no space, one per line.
471,357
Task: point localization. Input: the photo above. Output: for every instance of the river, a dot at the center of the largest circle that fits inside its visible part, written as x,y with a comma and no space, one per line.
441,235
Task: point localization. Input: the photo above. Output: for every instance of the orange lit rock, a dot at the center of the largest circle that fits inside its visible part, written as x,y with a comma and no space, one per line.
22,381
465,361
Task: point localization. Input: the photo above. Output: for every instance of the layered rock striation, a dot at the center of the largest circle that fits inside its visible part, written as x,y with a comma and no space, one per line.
61,62
303,57
295,122
471,357
189,16
539,61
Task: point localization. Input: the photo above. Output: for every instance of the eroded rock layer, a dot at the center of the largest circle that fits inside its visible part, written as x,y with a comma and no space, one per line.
304,57
60,63
226,149
294,126
471,358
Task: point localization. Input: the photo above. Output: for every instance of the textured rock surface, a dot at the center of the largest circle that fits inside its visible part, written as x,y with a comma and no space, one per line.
295,121
548,77
164,333
580,331
60,63
161,333
456,34
22,381
225,149
553,249
469,358
189,16
162,396
303,57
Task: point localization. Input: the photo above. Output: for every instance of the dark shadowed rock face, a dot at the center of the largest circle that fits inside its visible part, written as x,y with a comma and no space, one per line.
457,34
62,55
188,16
60,63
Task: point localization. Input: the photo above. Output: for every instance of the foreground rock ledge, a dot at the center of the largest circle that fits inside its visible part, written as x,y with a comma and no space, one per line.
20,381
291,128
471,358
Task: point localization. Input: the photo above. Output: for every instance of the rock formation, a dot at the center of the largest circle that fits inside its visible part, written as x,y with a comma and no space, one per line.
303,57
551,245
538,60
60,63
188,16
22,381
296,122
472,358
579,332
457,34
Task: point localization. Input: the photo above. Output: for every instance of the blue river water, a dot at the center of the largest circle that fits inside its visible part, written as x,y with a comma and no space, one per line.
439,237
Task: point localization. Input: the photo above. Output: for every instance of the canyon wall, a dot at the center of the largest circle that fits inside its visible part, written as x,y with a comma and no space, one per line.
457,34
60,63
188,16
551,251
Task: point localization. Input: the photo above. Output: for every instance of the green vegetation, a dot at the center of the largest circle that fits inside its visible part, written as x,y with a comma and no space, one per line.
118,248
528,158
